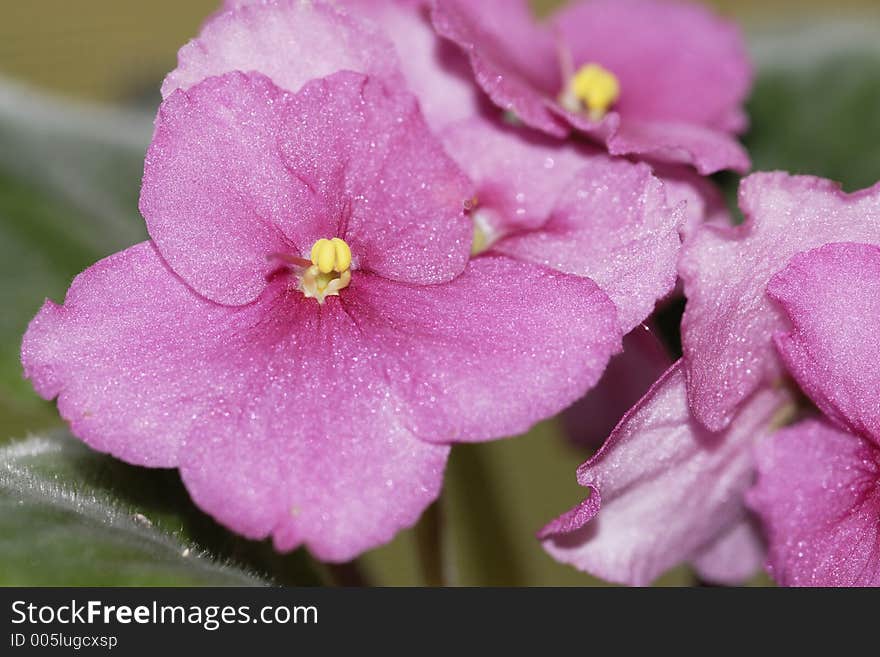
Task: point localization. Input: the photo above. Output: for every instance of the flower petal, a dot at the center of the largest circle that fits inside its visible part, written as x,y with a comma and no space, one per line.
668,487
613,225
216,194
240,170
278,413
708,149
676,61
356,141
733,557
518,174
436,71
469,352
832,298
818,497
492,33
289,41
729,321
628,377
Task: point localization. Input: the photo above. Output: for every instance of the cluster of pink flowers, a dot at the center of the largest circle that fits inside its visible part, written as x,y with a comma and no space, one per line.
380,228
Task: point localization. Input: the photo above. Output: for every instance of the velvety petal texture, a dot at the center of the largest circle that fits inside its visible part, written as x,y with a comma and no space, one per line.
729,321
663,489
437,72
734,557
676,61
683,73
628,377
612,224
513,59
312,423
289,41
239,170
831,296
818,497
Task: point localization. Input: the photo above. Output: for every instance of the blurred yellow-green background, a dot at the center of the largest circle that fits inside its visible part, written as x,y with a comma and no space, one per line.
116,50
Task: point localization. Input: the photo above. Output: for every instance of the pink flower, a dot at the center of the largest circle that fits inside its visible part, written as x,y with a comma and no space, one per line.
659,79
671,478
818,490
304,334
573,209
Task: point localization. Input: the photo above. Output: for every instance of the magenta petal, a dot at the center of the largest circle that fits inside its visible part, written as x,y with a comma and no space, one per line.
708,149
668,488
435,70
278,413
518,174
628,377
239,171
289,41
676,62
469,352
819,499
399,198
729,321
704,202
832,298
217,195
733,557
513,59
613,225
122,393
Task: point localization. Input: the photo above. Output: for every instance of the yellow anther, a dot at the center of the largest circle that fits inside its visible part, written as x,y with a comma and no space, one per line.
330,270
594,88
343,254
331,255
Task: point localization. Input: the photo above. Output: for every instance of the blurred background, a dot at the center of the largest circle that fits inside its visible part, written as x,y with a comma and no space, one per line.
79,83
118,50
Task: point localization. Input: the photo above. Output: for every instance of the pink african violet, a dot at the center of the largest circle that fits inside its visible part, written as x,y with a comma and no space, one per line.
572,209
683,73
819,487
665,491
324,424
729,321
292,41
818,480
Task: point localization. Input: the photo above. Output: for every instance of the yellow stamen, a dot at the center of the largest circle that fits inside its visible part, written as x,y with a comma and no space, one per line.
329,273
592,88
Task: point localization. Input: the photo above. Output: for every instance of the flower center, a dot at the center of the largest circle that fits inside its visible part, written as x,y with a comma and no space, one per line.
329,271
593,89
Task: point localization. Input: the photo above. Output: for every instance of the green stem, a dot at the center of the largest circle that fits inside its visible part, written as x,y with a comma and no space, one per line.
430,546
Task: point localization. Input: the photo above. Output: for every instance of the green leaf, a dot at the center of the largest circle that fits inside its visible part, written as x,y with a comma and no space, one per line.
59,527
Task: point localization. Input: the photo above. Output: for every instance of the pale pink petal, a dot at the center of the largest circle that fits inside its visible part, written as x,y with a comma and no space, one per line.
629,375
819,499
488,355
612,224
668,487
290,41
676,61
831,296
733,557
239,171
729,321
513,59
